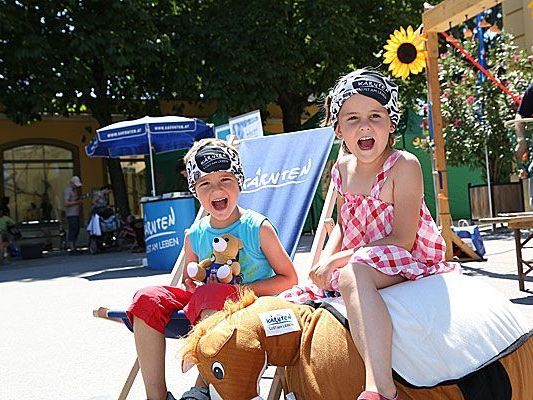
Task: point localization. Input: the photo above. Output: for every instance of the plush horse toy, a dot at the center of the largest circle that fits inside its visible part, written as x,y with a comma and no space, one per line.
468,351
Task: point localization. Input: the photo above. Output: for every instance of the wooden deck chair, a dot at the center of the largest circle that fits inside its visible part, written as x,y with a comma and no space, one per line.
282,173
325,227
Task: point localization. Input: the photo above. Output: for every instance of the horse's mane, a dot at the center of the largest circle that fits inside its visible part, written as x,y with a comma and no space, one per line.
244,299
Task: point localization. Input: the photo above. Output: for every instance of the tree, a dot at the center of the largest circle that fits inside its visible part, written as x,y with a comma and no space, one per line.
67,57
288,51
474,112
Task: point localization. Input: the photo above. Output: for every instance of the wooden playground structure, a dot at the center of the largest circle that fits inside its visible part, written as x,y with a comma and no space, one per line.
441,18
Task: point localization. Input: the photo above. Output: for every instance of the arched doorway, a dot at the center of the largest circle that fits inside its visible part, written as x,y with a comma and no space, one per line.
34,175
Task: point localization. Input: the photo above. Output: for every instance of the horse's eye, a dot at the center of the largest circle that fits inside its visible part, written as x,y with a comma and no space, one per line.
218,370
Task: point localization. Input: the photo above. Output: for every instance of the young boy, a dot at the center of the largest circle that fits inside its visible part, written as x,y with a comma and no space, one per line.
215,177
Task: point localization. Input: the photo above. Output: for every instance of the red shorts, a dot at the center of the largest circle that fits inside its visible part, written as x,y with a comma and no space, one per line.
155,304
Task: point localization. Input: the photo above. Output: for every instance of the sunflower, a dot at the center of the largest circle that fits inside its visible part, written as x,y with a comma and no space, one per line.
405,52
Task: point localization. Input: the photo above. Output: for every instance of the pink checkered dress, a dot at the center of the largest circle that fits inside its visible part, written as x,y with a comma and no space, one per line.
366,219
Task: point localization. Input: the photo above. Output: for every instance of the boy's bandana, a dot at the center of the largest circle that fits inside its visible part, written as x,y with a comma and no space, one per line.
368,83
210,159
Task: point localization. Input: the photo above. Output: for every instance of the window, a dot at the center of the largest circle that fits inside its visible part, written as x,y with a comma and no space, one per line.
35,176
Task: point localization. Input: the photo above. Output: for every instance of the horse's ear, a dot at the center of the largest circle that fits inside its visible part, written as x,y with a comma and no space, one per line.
188,361
214,339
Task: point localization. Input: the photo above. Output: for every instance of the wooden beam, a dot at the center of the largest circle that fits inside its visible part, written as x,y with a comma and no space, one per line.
432,72
450,13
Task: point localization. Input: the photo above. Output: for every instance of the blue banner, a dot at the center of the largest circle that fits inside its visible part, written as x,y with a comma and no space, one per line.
165,222
282,173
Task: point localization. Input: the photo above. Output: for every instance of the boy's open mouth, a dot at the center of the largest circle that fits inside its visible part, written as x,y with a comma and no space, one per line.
220,204
366,143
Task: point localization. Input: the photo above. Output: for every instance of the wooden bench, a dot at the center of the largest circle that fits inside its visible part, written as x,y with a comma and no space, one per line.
517,222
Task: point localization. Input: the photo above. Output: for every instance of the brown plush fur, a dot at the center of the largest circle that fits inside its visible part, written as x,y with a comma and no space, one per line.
321,360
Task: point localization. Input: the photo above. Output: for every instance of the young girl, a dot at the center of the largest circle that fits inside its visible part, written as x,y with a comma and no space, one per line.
215,177
385,233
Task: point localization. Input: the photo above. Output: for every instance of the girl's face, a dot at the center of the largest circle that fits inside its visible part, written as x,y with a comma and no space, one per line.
218,193
365,126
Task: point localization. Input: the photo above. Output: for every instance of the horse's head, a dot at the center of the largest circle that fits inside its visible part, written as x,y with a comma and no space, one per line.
231,348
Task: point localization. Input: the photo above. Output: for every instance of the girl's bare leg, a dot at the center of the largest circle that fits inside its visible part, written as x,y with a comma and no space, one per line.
370,323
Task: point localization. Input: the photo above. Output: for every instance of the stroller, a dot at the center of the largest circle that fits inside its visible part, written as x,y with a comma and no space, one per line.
104,229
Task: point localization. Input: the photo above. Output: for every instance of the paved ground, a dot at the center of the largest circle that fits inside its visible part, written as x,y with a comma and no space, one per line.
52,348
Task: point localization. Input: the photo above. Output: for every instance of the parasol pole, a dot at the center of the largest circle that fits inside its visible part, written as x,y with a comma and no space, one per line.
151,158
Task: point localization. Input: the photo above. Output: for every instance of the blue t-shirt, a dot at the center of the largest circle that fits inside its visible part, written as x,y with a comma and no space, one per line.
254,265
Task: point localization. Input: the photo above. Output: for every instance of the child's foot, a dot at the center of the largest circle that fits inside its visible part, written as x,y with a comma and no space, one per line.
195,393
367,395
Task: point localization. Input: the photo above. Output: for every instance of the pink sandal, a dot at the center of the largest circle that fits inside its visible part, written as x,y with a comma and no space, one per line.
367,395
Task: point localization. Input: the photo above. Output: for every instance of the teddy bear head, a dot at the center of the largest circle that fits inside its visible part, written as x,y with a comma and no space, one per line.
226,247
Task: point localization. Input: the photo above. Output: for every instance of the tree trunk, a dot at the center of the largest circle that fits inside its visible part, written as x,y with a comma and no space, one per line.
119,186
292,107
101,110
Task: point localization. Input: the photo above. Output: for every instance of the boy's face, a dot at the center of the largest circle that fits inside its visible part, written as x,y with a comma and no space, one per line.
218,193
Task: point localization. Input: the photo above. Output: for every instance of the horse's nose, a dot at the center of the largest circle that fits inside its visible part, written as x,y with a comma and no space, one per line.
213,394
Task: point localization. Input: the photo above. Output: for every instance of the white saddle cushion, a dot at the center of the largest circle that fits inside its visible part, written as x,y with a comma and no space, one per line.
446,326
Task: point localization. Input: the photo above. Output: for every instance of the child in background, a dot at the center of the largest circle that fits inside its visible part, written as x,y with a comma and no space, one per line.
385,234
215,177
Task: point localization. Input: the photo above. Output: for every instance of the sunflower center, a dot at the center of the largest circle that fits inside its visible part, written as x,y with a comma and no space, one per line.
407,53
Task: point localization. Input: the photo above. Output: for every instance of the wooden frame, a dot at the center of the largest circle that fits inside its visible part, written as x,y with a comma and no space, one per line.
440,18
517,222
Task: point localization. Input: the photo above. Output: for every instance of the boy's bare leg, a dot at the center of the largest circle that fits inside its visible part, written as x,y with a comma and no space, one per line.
370,323
151,346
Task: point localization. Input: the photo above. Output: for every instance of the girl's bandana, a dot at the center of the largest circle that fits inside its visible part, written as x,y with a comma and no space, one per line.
210,159
368,83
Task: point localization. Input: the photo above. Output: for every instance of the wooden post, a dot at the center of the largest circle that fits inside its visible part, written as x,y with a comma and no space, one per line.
432,71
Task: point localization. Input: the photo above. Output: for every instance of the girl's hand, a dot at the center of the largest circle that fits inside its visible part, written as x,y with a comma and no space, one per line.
320,273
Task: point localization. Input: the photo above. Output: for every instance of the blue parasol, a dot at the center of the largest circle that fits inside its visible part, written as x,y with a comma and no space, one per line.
148,135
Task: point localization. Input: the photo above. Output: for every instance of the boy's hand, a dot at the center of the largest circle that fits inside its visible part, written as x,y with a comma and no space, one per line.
190,285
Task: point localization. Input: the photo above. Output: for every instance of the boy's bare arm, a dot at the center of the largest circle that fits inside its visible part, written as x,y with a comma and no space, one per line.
190,256
280,261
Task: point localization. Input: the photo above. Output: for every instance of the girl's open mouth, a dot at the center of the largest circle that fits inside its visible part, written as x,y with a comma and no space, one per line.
220,204
366,143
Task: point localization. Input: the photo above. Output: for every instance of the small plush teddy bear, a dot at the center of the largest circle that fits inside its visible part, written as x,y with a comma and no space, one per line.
223,263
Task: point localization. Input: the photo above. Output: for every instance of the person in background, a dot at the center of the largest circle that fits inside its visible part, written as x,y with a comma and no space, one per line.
4,205
524,111
6,222
72,203
100,199
32,213
182,185
46,207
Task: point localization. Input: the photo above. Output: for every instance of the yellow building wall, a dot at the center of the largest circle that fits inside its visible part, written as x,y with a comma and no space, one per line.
76,131
518,21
